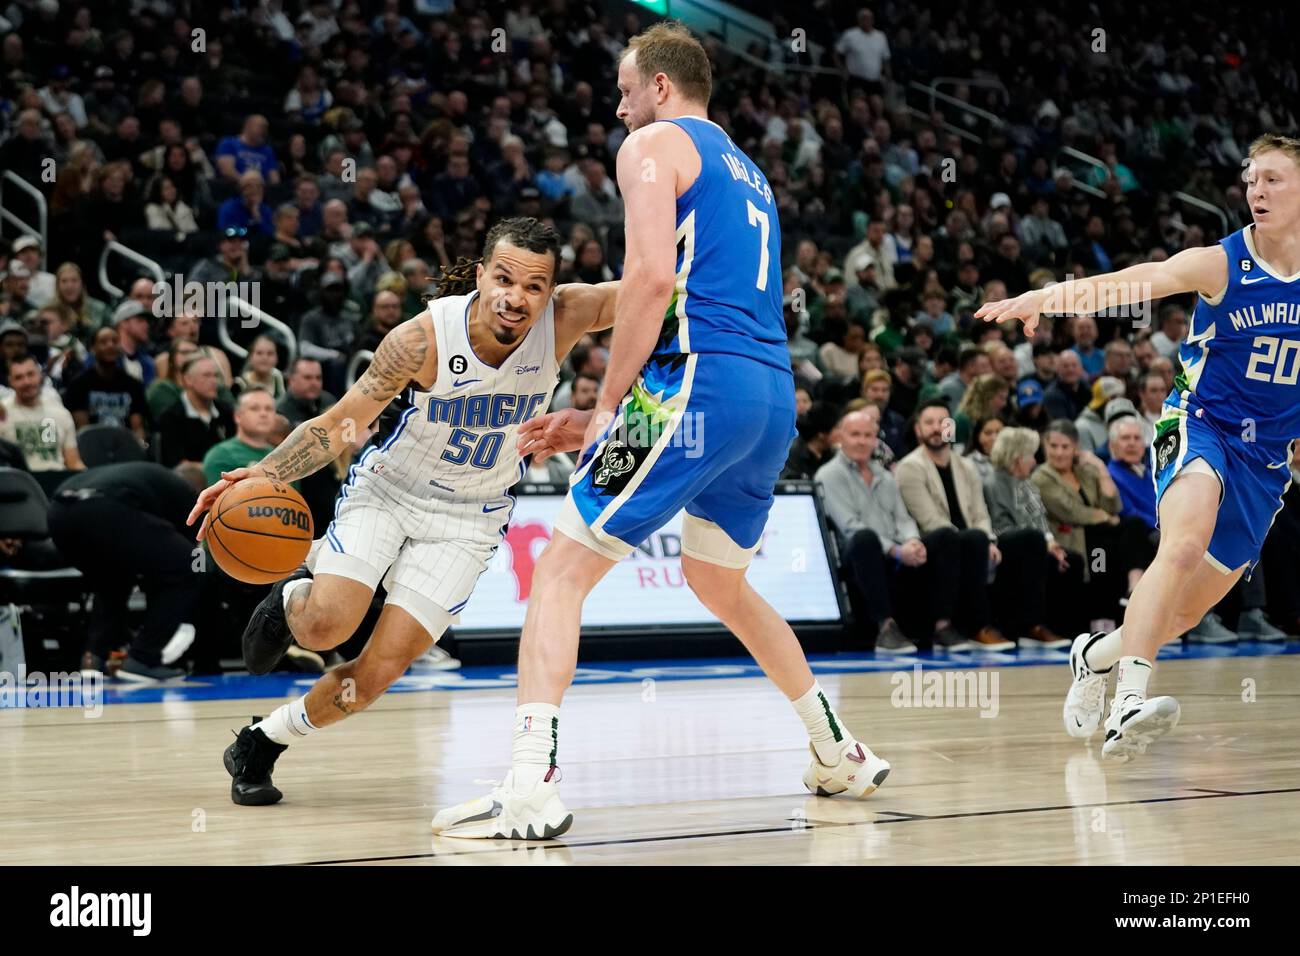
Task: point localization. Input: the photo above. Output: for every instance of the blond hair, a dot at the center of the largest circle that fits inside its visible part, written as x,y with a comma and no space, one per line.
876,375
979,395
669,48
1275,141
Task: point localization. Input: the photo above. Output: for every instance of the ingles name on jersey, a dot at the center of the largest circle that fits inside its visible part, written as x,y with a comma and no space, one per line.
741,171
500,410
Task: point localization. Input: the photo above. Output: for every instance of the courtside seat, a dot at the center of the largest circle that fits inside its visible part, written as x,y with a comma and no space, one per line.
37,574
108,445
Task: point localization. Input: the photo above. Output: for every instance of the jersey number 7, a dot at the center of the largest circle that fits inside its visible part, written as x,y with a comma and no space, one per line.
759,218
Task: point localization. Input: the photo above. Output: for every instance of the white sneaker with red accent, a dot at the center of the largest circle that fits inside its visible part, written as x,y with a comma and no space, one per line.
507,814
857,773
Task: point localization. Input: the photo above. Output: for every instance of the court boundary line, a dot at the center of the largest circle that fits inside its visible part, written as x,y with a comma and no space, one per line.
511,846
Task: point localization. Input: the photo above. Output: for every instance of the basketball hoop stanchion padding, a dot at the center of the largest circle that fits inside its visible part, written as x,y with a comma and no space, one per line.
259,530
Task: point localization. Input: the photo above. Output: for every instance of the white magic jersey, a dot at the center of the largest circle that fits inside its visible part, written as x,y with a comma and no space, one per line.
457,442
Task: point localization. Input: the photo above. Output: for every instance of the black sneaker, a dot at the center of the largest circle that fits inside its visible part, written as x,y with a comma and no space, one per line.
950,639
267,635
249,761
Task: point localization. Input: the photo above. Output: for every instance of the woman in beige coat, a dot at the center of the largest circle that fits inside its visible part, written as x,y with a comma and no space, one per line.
1083,508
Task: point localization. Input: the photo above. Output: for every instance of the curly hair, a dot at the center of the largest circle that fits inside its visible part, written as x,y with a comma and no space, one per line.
528,233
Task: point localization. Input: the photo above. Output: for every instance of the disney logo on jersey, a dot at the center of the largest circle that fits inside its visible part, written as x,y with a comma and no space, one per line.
525,369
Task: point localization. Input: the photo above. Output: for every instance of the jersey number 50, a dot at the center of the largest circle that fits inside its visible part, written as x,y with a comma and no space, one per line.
479,450
1278,362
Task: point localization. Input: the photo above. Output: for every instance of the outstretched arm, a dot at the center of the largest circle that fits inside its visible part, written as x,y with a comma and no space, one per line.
401,356
581,308
1203,270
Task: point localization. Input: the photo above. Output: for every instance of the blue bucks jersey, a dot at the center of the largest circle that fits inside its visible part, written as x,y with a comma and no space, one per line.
728,293
1241,359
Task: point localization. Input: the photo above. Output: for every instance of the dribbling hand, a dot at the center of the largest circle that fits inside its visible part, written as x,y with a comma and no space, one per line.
210,494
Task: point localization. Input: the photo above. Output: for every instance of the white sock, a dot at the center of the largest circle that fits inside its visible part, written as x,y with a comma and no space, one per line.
1132,677
537,738
825,729
1102,653
288,723
290,588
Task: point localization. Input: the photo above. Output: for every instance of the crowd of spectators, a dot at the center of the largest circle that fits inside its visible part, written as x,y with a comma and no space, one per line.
335,155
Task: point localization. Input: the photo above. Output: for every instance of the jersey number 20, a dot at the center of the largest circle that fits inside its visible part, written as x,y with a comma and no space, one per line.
1278,362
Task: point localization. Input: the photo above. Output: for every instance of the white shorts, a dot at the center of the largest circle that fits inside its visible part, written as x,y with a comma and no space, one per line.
429,555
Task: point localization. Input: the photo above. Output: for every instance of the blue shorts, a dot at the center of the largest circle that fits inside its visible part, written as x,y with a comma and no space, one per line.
709,433
1253,477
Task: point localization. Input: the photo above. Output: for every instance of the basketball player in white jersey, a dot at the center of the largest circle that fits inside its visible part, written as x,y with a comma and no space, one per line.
1223,447
427,503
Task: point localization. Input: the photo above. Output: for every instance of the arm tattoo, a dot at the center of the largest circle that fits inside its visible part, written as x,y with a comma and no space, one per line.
306,450
309,447
397,360
342,704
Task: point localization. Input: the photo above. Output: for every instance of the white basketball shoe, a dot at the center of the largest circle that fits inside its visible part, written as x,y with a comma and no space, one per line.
857,773
1134,724
1086,701
507,814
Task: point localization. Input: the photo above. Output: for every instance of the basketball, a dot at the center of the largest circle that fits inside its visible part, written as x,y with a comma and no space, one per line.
259,530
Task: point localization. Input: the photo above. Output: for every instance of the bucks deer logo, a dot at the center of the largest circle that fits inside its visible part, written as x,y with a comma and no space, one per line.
1166,448
615,461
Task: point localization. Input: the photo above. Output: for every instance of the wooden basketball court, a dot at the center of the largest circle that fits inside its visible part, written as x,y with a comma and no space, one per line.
684,772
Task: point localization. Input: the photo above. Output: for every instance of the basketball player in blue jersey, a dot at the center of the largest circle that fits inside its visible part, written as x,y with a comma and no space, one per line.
427,503
1222,449
699,331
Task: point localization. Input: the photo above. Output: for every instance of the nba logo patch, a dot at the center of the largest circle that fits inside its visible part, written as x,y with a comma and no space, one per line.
528,724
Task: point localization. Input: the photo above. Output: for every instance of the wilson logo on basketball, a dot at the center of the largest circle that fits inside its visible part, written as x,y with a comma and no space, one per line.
286,516
259,530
